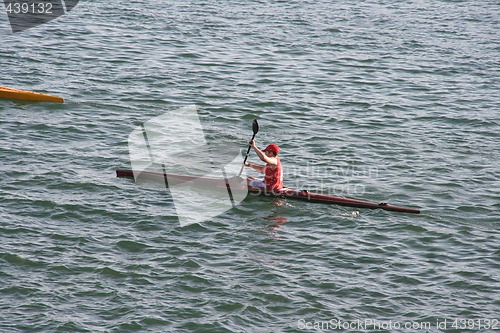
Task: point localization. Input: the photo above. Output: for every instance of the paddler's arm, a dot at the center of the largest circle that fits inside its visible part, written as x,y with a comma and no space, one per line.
259,168
263,157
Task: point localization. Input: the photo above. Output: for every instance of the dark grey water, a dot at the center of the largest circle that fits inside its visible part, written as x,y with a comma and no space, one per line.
385,101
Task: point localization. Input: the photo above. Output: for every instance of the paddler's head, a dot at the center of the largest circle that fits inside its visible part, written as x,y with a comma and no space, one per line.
272,150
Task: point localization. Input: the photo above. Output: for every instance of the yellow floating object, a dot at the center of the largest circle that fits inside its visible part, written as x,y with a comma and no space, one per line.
24,95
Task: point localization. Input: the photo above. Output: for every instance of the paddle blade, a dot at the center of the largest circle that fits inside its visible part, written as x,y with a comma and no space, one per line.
255,126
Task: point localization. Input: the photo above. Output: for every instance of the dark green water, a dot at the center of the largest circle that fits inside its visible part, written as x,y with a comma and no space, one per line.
385,101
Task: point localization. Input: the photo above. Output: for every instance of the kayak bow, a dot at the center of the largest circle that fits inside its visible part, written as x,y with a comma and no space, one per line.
303,195
24,95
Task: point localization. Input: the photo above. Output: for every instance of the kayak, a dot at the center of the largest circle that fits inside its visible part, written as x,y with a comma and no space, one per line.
24,95
303,195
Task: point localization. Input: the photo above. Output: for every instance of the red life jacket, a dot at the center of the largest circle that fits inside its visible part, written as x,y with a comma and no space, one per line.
274,176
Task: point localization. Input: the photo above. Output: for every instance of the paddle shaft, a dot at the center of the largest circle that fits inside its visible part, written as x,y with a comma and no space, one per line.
246,156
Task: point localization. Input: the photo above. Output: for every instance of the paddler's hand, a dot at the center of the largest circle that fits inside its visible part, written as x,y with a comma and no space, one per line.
247,164
252,144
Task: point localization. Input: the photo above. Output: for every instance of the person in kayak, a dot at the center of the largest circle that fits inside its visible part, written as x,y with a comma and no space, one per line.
273,179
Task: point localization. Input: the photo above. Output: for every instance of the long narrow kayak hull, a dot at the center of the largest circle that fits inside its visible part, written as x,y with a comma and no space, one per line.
24,95
285,193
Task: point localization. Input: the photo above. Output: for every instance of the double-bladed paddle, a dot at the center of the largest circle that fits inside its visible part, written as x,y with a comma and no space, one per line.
255,129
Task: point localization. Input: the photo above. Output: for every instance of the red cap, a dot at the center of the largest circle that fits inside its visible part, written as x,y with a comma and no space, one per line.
272,148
